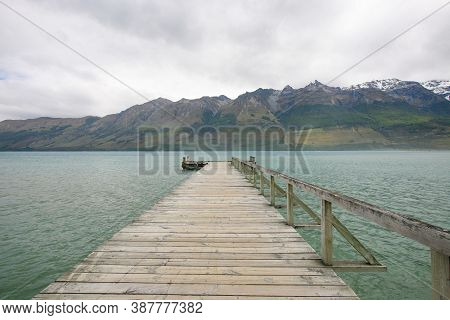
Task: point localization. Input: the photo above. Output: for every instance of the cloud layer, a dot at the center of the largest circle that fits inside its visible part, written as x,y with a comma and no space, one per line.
192,48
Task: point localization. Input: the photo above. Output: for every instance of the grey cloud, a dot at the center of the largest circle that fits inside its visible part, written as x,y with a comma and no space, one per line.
169,21
188,49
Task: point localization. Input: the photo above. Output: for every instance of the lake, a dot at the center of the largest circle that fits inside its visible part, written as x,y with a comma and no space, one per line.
57,207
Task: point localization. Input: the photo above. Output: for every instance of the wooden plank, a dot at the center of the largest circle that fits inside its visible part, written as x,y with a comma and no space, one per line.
241,236
354,242
115,248
290,205
307,262
261,183
272,190
183,238
308,226
199,279
217,231
296,244
254,177
313,264
186,270
440,275
206,219
201,255
357,266
91,296
176,226
326,233
197,289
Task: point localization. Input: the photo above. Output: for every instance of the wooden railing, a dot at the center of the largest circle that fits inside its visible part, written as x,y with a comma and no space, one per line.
436,238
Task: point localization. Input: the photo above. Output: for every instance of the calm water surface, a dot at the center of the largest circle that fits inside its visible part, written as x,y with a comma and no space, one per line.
57,207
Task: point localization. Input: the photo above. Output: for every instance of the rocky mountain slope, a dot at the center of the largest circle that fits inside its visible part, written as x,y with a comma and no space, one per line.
376,114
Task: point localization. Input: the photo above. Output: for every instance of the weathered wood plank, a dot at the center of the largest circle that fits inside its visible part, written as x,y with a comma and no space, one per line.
199,279
326,233
185,238
290,205
91,296
440,275
307,262
292,244
197,289
212,229
201,255
186,270
105,248
194,234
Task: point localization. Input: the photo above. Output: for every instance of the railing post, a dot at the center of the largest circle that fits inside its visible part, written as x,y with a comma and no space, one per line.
254,176
272,190
290,205
326,233
440,275
261,182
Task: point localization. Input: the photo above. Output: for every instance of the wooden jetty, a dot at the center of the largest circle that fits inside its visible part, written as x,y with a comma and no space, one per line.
216,236
213,237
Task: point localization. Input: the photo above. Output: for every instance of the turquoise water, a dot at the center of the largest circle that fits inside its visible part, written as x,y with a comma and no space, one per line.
56,207
413,183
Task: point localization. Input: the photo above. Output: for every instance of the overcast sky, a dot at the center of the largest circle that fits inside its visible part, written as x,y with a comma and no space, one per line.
189,49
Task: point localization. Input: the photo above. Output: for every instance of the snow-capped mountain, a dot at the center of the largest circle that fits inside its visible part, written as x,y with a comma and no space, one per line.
440,87
384,85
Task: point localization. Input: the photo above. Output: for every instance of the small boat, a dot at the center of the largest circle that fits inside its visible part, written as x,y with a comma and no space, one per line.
188,164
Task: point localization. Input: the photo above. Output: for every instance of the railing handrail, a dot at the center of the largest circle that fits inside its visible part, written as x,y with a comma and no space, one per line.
427,234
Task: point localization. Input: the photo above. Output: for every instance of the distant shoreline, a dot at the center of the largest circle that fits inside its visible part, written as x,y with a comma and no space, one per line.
246,150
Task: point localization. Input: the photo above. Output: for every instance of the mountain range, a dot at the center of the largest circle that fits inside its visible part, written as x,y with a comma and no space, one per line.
388,113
